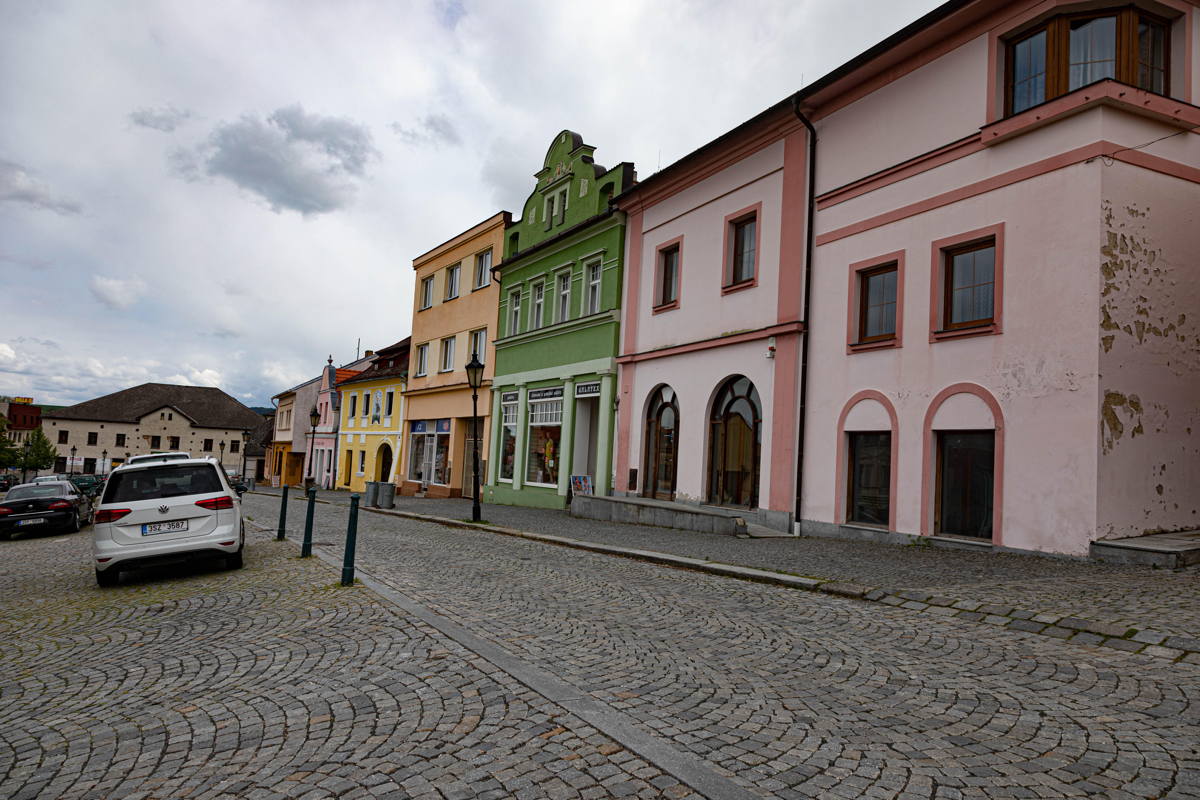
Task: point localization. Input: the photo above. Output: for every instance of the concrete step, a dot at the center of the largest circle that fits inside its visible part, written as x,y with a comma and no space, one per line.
1168,550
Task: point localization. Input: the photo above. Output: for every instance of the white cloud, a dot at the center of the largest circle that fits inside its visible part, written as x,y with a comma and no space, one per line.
117,293
19,187
165,119
7,354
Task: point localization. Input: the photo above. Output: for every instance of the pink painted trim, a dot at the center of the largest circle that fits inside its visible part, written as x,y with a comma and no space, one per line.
937,283
1165,166
727,265
624,422
784,414
905,169
927,458
633,277
853,303
674,304
794,198
841,481
784,329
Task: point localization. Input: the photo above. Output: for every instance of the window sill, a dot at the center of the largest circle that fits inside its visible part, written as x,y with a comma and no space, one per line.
989,329
448,299
671,306
737,287
541,485
880,344
425,308
480,286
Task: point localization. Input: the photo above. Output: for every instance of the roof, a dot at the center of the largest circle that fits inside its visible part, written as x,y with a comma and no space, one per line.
207,407
390,362
261,437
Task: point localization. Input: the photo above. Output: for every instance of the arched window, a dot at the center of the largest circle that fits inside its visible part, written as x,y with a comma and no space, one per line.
662,444
735,441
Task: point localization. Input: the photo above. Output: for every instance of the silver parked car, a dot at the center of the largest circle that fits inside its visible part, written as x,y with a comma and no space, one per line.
165,511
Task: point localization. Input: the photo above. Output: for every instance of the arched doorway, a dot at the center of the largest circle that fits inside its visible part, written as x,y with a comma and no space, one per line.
383,462
662,444
735,431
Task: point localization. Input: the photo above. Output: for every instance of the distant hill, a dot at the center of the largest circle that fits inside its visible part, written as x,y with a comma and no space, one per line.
262,410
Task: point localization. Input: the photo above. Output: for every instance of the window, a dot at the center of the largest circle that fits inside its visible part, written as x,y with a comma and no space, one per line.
666,287
208,444
593,289
508,440
362,461
427,292
93,437
120,440
62,437
173,442
514,312
965,483
970,285
350,411
564,297
478,344
1071,51
234,445
447,362
550,204
877,303
869,480
366,404
422,362
539,305
483,269
155,442
545,436
744,242
389,403
452,274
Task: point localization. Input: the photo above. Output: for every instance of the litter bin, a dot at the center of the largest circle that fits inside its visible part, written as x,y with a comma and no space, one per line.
387,495
371,496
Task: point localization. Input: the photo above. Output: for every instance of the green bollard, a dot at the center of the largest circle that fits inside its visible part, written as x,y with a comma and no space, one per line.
306,548
351,539
281,534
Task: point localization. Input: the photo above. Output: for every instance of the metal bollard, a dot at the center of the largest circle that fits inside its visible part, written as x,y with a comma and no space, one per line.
351,539
306,547
281,534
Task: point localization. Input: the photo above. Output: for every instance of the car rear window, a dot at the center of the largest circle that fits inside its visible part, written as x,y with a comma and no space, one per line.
152,484
31,492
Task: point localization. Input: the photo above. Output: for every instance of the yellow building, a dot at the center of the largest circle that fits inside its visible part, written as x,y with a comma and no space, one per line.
372,413
454,317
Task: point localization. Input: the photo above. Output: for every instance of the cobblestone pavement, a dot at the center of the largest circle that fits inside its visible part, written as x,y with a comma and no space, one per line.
269,682
1129,596
799,694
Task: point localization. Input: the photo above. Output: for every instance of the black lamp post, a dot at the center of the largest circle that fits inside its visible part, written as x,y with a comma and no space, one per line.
25,461
103,458
475,379
221,447
314,417
71,469
245,444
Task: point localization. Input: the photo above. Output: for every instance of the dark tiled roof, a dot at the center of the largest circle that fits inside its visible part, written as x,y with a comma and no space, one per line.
206,407
396,353
261,436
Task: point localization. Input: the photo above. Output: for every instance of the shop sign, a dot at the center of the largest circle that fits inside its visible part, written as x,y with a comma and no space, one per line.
418,425
509,397
25,401
587,389
546,394
443,426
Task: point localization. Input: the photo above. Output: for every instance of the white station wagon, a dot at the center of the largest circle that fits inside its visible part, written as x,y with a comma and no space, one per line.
165,511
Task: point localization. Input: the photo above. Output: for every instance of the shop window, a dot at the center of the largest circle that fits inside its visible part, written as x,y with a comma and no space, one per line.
545,439
964,483
508,440
869,478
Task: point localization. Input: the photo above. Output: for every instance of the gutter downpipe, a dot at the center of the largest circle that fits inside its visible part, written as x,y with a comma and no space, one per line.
809,246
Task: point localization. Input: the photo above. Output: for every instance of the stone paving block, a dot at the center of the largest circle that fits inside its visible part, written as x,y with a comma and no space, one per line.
996,619
1083,637
1026,625
1162,652
1057,632
1149,637
1127,645
1183,643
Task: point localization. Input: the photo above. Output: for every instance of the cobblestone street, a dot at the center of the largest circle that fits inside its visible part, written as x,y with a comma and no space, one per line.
470,664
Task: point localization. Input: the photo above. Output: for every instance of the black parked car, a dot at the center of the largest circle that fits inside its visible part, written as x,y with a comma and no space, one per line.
44,506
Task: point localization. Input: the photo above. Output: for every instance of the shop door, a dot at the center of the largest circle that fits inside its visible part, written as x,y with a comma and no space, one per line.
734,449
965,480
662,446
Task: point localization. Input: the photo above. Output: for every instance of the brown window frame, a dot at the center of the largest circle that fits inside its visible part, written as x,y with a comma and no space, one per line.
1058,52
735,227
948,284
852,453
864,277
673,247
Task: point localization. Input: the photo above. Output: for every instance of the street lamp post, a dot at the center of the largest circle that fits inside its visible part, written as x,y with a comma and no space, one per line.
314,417
245,443
71,468
25,462
475,379
103,458
221,447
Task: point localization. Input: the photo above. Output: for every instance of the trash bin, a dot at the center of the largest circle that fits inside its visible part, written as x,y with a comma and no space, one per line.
371,495
387,495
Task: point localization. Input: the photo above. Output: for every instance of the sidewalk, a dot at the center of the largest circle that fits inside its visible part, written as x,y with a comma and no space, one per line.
1132,608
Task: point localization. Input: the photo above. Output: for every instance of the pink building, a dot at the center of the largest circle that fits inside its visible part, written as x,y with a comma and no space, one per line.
1003,339
325,435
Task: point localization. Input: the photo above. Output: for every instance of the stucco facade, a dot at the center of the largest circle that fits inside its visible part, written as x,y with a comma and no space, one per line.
454,315
371,420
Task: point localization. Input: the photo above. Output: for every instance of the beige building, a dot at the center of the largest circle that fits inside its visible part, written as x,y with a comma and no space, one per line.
97,435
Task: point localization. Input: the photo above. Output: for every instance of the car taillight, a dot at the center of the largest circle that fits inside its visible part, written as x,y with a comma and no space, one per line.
59,504
111,514
5,510
216,503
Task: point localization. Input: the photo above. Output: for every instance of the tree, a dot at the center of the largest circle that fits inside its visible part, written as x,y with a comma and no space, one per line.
10,456
40,455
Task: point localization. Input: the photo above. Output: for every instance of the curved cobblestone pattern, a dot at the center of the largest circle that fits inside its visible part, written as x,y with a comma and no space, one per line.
807,695
268,682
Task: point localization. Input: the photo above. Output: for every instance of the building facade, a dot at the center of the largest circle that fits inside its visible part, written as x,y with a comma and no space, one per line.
23,417
371,424
454,318
560,292
325,437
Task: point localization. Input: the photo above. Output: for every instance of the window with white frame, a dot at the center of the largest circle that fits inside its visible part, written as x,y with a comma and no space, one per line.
422,365
426,292
389,404
447,360
564,297
478,344
366,404
483,269
353,405
514,312
508,437
539,305
362,461
545,439
452,274
593,289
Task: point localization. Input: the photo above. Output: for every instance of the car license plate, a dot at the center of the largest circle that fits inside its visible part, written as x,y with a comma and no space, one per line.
164,527
37,521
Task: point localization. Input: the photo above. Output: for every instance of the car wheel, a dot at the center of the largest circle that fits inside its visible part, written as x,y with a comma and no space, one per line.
108,577
234,560
73,525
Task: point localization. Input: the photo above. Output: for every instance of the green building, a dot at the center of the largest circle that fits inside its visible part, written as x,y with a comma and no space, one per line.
560,299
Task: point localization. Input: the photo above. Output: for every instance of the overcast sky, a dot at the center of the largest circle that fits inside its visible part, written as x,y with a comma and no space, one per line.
225,193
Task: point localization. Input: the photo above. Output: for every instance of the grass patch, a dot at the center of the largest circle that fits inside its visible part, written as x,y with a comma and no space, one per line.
473,522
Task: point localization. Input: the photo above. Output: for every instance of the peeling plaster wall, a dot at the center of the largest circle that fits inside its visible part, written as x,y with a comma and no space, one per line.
1149,341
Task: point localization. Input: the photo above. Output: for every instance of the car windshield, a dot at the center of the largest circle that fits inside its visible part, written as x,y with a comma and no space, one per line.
159,482
31,492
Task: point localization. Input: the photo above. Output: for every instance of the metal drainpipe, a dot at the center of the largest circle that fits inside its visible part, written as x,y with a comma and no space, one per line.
808,259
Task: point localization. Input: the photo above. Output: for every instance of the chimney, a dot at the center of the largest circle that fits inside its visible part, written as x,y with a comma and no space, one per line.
368,353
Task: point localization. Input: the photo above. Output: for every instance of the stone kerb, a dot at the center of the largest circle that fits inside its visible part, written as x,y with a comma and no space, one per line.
641,512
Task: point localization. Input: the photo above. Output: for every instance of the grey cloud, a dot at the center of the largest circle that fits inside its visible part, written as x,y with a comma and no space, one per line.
449,12
292,159
165,119
31,263
34,340
435,129
116,293
18,186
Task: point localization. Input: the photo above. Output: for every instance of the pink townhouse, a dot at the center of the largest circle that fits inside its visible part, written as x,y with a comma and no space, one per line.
1001,340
